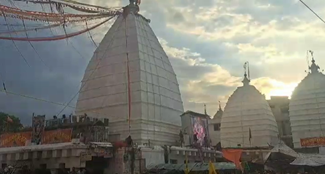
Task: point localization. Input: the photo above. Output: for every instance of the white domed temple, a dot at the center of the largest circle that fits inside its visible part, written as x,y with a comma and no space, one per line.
247,120
307,109
130,81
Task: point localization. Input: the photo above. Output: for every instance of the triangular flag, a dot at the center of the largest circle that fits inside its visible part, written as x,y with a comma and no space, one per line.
187,171
250,134
212,170
4,87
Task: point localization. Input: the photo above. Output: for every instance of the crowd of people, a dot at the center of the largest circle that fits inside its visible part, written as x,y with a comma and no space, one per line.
41,170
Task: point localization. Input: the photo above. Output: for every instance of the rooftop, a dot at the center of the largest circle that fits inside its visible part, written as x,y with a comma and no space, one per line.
192,113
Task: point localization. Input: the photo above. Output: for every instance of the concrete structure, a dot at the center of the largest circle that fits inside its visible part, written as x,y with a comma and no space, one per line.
130,60
146,157
307,107
178,155
52,155
247,120
214,127
280,109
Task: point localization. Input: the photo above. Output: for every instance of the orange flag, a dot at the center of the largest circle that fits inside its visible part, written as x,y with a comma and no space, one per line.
234,156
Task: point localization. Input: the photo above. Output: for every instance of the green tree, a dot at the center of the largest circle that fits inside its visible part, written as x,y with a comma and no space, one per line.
6,126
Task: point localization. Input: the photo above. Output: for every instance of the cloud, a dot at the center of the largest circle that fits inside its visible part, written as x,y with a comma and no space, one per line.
207,42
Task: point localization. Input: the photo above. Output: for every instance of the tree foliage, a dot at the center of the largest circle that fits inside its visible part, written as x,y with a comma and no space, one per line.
6,126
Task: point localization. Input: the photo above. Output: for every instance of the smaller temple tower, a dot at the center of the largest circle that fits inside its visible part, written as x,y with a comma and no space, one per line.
214,127
307,109
247,120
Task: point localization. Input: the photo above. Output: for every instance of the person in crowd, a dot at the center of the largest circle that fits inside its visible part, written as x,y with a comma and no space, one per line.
62,170
25,170
73,171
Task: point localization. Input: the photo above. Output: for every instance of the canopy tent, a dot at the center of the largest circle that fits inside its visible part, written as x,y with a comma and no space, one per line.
195,167
284,153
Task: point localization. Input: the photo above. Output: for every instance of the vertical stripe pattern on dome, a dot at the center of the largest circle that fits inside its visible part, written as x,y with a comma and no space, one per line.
307,107
247,120
156,103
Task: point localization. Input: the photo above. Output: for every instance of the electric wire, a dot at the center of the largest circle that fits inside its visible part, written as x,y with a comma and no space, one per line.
78,52
21,55
38,56
4,90
91,37
312,11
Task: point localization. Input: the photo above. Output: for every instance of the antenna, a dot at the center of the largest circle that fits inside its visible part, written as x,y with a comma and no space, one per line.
312,54
248,73
246,69
307,58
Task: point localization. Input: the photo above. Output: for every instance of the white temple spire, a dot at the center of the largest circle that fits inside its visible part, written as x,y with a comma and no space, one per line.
306,109
130,63
246,79
313,67
247,111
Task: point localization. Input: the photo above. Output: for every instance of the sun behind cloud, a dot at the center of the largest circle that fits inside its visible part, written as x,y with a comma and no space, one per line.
271,87
282,89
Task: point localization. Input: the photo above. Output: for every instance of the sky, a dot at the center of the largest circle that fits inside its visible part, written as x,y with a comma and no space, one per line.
207,42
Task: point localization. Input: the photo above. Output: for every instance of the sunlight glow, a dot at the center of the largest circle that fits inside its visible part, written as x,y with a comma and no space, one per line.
282,89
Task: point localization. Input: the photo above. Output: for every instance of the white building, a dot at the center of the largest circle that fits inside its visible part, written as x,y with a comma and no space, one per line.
307,109
130,60
247,120
214,127
52,155
195,127
280,109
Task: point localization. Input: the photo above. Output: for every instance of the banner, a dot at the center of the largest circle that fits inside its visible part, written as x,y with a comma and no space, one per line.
57,136
15,139
309,142
200,131
38,125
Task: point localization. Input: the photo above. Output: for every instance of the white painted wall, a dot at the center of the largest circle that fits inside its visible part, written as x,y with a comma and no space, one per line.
153,156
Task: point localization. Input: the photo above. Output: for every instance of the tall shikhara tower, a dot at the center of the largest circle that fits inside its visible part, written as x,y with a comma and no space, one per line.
130,81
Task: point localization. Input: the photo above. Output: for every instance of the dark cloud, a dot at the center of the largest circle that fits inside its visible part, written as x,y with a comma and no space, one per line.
57,79
61,81
184,70
175,16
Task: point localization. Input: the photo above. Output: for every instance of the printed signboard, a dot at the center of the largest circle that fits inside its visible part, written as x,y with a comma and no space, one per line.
200,131
15,139
57,136
311,142
38,128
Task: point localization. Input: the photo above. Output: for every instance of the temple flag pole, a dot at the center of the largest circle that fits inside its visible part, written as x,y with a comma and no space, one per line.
250,137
